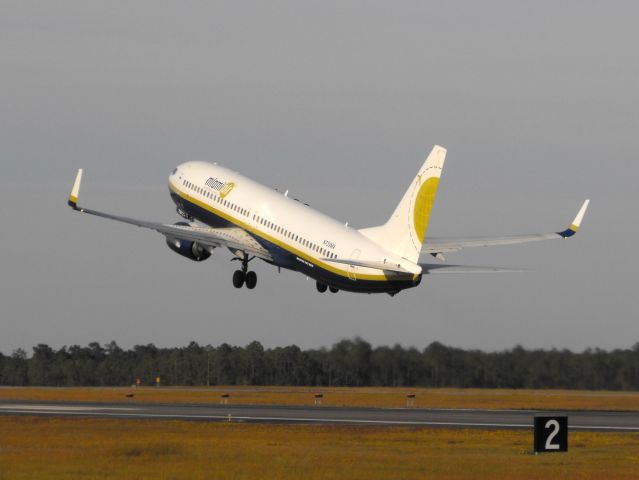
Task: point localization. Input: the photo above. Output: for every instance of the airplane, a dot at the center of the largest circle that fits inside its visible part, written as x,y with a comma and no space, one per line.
224,209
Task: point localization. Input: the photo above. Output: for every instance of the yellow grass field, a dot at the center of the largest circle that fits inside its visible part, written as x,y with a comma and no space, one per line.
60,448
360,397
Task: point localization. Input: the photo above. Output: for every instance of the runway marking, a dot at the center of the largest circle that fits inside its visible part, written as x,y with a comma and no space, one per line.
276,419
36,408
84,411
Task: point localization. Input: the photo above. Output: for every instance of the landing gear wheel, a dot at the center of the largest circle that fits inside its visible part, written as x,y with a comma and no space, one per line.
321,287
333,289
238,278
251,280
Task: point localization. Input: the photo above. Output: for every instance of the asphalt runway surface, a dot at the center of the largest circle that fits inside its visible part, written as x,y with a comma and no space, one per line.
318,415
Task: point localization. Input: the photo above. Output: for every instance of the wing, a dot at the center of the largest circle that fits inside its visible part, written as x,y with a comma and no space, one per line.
435,246
235,239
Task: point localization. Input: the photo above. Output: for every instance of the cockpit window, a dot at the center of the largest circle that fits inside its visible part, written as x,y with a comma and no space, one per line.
174,171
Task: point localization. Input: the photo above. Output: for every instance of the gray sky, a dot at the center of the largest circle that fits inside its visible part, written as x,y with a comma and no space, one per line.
537,103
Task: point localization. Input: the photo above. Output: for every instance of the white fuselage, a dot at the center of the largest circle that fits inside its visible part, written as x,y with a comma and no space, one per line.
297,236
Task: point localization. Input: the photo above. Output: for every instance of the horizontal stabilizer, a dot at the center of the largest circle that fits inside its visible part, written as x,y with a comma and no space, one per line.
431,269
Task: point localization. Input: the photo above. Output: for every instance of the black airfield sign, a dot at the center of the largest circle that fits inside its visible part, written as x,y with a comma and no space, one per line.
551,434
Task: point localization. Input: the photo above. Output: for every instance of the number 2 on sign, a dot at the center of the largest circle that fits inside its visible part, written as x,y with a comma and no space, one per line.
552,424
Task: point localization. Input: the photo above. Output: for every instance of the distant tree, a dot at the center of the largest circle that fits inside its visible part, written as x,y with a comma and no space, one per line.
348,362
15,369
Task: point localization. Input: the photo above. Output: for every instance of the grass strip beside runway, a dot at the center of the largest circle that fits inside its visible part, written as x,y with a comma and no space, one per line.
348,397
53,448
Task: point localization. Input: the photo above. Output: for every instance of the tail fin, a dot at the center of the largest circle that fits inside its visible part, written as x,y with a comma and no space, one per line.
404,233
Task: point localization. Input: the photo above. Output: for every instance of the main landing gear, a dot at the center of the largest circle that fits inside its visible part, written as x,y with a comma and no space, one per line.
243,276
321,287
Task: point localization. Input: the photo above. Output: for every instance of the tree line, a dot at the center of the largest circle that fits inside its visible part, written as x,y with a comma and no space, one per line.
347,363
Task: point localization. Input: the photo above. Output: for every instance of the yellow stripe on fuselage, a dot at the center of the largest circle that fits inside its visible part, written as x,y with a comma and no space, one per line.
285,246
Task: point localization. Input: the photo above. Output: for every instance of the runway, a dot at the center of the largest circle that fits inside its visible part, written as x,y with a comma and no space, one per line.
318,415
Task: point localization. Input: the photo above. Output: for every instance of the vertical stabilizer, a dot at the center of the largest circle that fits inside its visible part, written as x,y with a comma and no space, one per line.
406,229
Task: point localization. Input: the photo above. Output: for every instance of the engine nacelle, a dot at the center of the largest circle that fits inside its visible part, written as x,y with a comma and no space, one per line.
191,250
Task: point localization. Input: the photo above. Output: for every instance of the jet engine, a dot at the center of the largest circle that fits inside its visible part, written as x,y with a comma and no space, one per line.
187,248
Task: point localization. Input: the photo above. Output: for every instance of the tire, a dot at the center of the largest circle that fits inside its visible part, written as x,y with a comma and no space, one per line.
238,278
333,289
251,280
321,287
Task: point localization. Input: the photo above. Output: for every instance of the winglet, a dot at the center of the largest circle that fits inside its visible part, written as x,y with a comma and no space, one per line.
576,223
75,192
